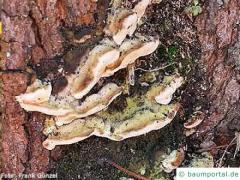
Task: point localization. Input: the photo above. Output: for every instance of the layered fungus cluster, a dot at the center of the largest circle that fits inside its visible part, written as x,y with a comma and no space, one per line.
70,120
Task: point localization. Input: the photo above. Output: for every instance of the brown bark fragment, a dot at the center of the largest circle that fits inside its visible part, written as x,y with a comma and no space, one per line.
16,7
217,31
31,35
15,56
18,29
39,156
14,139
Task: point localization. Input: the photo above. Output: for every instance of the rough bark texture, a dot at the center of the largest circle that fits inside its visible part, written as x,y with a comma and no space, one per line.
31,35
14,137
219,37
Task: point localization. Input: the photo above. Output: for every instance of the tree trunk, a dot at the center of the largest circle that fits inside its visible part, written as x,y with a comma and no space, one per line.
41,36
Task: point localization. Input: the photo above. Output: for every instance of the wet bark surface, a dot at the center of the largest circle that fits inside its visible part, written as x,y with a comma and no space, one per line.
43,36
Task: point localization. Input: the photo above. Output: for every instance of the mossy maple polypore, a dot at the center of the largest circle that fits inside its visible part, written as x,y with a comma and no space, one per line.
36,93
66,109
142,114
97,60
102,61
92,104
38,98
173,161
123,21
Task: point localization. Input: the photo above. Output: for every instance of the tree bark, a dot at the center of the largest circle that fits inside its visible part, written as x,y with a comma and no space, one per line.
32,36
41,36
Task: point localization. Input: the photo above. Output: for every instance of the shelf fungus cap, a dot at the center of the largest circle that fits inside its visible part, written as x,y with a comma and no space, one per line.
131,50
36,93
124,21
93,104
173,161
141,125
194,120
141,7
97,60
121,24
38,98
166,94
48,108
81,129
71,133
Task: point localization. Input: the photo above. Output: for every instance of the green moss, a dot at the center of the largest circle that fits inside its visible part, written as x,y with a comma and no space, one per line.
168,53
172,52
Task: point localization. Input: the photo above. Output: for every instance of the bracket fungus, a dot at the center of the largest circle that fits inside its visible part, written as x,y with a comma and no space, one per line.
92,104
97,60
194,120
124,21
140,8
70,122
105,59
36,93
165,96
174,160
131,50
38,98
121,24
141,116
49,108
